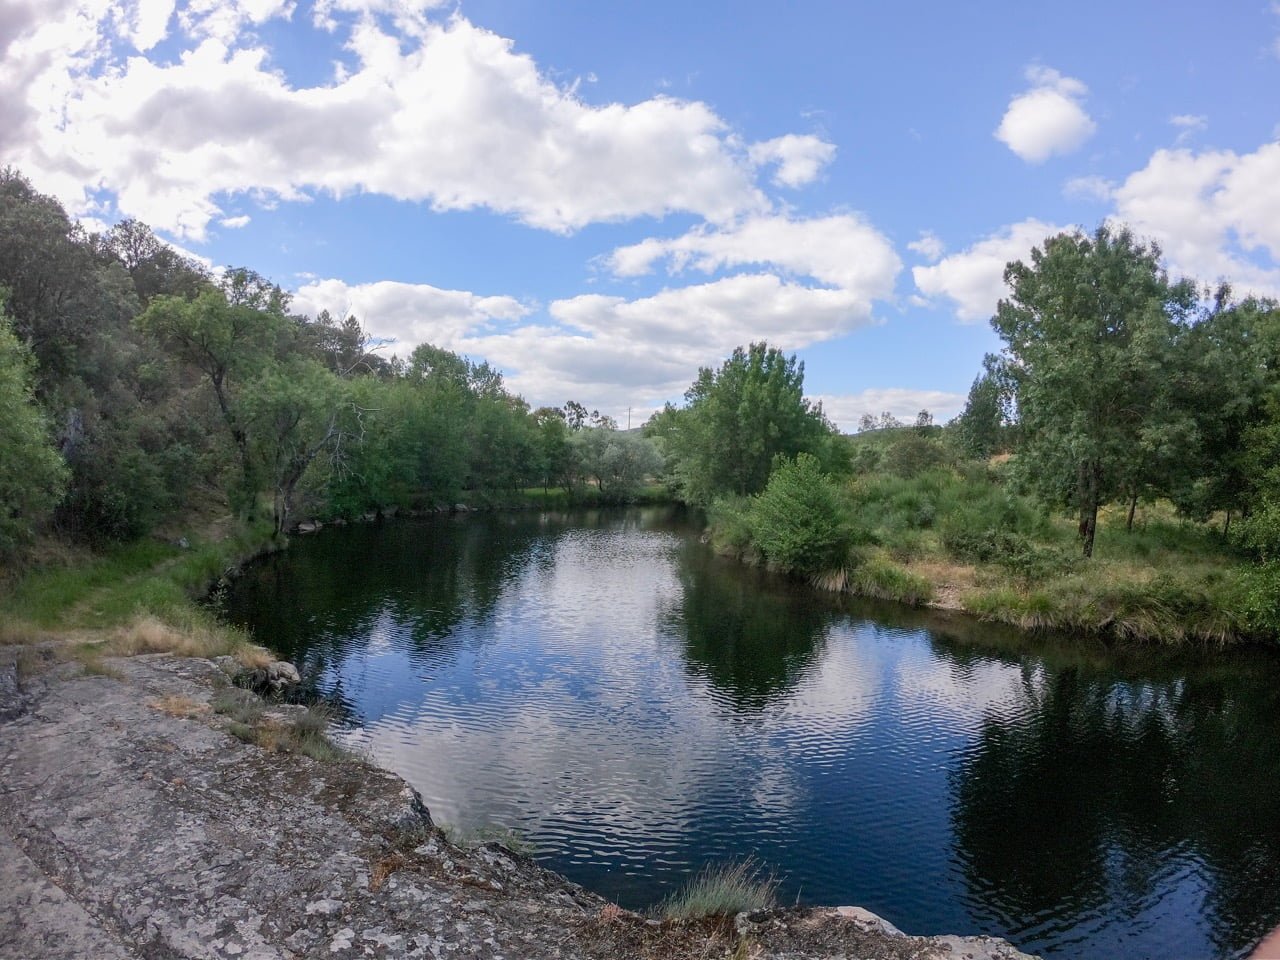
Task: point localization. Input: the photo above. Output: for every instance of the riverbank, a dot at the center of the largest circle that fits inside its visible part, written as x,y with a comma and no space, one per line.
138,821
954,541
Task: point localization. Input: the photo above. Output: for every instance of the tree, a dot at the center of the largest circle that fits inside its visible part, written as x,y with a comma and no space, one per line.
294,413
739,418
229,343
32,475
620,462
982,425
799,521
1087,331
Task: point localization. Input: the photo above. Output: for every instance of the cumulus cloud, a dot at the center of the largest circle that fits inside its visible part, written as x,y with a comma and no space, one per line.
1216,214
845,410
410,313
800,159
1048,118
842,250
617,352
973,279
451,116
1090,187
928,246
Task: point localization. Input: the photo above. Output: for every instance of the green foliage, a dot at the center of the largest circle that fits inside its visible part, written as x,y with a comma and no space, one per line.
882,578
32,475
620,463
722,891
1090,332
1260,599
1025,559
738,419
799,521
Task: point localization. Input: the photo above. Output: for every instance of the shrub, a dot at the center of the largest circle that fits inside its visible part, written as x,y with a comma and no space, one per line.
799,521
1260,599
720,891
881,578
1014,552
729,520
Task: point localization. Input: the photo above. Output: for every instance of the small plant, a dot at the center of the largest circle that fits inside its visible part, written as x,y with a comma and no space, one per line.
473,837
240,705
722,890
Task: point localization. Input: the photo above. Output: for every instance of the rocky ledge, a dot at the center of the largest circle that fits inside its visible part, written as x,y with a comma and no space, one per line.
134,824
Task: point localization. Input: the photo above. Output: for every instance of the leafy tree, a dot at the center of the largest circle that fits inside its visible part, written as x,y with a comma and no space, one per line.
1087,330
739,418
32,475
799,520
557,460
154,267
619,462
229,343
981,430
295,413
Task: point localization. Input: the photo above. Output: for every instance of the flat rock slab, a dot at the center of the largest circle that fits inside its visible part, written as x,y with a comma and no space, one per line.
134,825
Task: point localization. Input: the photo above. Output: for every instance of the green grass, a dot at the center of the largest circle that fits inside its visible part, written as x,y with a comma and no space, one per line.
149,577
723,890
473,837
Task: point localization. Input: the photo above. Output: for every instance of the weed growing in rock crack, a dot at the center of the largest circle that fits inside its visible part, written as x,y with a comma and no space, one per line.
471,838
309,735
722,890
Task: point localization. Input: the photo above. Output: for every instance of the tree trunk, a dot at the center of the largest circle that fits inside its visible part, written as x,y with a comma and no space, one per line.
1133,506
1226,526
1088,490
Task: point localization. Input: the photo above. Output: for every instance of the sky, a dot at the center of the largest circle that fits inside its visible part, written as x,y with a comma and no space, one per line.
599,197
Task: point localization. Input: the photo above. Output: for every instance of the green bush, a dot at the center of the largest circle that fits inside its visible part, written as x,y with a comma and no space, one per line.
1260,599
799,521
1012,551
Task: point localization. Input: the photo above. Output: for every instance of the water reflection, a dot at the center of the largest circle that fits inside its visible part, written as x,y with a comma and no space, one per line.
638,707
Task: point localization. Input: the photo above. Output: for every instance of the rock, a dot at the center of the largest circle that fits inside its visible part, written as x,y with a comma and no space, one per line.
309,526
271,679
461,508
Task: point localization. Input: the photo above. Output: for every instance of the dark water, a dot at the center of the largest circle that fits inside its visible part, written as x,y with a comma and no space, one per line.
637,707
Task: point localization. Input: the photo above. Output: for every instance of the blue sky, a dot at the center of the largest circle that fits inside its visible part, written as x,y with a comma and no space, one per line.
600,197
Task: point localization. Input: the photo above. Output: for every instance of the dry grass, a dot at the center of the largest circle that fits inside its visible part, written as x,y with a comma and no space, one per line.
176,705
383,868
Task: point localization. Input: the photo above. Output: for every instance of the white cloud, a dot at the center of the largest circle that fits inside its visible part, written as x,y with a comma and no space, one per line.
1189,125
1216,214
800,159
929,246
1047,119
974,278
1089,188
846,409
842,250
410,313
451,116
235,223
610,351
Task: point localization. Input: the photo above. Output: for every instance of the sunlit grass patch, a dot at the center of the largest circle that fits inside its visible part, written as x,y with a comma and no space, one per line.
177,705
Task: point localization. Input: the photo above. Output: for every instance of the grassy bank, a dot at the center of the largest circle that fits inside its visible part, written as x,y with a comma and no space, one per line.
959,538
134,598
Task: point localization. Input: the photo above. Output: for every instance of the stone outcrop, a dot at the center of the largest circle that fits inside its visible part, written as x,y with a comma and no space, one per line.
133,825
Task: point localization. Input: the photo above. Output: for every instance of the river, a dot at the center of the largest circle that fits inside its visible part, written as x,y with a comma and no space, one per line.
636,707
